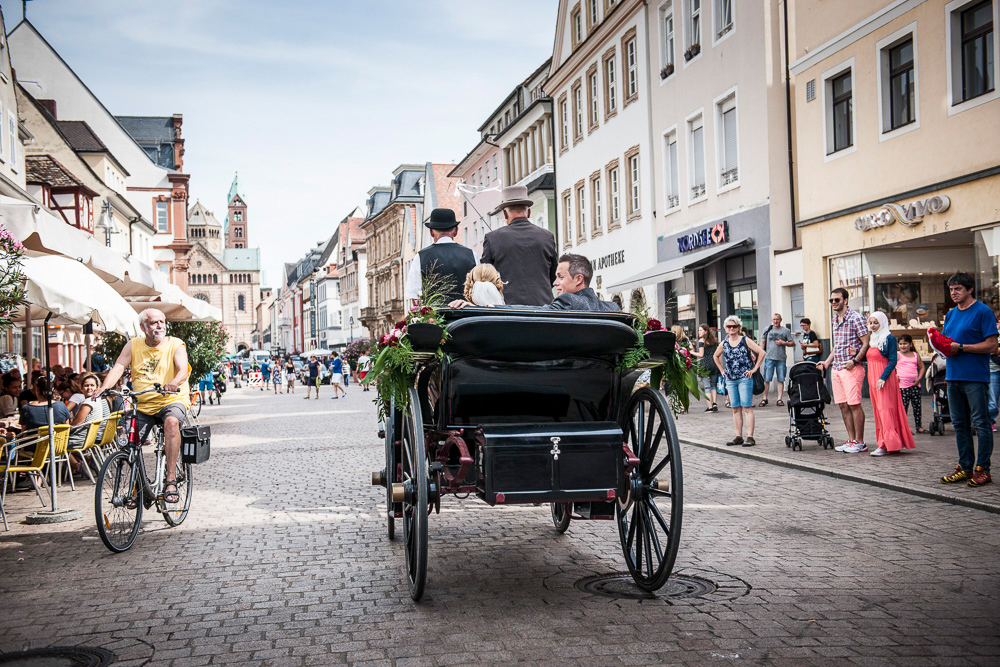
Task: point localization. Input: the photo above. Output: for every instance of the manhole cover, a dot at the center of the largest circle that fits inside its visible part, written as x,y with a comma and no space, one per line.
59,656
622,586
691,585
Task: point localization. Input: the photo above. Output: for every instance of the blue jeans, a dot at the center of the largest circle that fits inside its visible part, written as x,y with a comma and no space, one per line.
968,403
740,392
774,368
994,392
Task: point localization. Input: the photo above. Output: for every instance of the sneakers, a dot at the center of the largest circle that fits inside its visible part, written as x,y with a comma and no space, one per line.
879,451
735,442
980,477
856,448
958,476
843,447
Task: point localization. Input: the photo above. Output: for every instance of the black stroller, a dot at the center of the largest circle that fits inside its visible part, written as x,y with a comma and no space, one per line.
939,399
807,401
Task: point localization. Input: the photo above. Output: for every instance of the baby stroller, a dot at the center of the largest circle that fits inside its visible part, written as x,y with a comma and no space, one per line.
939,396
807,401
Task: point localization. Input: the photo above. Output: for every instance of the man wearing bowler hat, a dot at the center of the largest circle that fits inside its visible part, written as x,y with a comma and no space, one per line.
445,257
523,253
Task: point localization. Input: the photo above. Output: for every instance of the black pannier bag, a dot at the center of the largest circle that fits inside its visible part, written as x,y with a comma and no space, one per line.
195,443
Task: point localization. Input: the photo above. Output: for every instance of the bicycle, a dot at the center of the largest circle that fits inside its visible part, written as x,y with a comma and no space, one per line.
125,488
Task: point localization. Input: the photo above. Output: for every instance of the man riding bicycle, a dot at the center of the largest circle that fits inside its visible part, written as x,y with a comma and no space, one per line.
157,359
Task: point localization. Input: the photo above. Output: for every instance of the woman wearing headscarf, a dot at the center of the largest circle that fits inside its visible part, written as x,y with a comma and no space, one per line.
892,430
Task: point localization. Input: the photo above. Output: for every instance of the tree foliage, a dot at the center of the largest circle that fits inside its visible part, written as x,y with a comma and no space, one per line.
11,277
205,341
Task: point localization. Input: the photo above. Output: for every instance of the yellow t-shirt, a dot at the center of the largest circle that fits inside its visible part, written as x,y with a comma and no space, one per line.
155,365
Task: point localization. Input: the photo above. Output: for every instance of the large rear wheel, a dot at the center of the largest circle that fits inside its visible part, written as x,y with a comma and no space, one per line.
649,514
391,433
414,479
118,501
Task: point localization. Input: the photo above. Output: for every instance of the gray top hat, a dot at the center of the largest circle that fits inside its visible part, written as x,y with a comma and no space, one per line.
512,195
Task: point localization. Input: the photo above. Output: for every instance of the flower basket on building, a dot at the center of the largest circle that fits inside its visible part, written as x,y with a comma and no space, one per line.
692,51
667,70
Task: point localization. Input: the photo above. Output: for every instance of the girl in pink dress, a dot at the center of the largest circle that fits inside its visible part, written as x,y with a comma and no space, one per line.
910,371
892,430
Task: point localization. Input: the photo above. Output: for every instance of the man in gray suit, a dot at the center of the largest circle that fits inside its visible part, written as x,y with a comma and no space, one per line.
572,282
523,253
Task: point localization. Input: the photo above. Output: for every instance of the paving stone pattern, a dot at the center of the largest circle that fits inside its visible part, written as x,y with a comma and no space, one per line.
918,470
284,561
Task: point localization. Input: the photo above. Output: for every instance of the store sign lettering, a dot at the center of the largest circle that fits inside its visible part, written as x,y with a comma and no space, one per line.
910,215
718,233
614,259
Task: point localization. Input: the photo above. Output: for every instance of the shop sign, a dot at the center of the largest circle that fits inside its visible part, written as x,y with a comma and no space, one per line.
613,259
717,233
910,215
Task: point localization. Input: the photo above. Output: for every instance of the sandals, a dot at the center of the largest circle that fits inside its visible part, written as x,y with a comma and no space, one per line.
749,442
780,403
921,429
169,497
762,404
735,442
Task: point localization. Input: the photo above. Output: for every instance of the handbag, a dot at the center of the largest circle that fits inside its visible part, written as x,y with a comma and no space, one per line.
758,383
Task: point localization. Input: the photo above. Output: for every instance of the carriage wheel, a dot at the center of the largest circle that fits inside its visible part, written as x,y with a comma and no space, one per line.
560,516
390,471
414,463
649,516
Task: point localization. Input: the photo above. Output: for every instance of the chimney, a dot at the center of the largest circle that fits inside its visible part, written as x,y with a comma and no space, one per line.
50,106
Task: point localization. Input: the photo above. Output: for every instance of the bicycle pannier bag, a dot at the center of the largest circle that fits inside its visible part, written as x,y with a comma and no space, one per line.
195,443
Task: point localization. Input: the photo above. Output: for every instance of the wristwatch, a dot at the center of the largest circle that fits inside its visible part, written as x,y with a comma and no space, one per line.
961,347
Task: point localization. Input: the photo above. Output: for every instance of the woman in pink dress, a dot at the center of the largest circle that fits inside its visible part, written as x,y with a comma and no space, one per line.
892,430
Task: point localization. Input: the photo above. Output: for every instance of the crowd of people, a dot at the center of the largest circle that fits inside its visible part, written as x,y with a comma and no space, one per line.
866,354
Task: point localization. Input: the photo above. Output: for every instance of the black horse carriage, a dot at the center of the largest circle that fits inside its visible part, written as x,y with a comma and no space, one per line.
531,407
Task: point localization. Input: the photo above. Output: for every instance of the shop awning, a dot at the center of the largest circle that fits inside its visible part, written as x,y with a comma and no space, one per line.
178,306
672,269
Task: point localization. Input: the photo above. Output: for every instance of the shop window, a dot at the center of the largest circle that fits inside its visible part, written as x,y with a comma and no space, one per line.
671,177
727,138
972,51
743,304
839,109
696,159
723,11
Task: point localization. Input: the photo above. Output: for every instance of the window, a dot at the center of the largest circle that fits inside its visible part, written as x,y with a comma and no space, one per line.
581,211
667,38
495,176
898,85
240,302
238,216
694,23
591,14
613,190
632,183
728,146
568,217
577,112
630,67
610,85
842,112
696,171
3,153
576,26
238,231
978,74
12,140
162,222
671,177
564,124
592,98
723,17
596,202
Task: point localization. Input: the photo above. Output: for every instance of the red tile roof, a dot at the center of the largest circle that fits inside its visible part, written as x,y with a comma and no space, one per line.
447,196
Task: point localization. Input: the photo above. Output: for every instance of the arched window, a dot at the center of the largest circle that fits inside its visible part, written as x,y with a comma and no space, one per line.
215,277
230,277
240,302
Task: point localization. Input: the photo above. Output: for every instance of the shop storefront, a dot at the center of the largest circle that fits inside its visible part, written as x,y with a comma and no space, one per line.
896,257
714,270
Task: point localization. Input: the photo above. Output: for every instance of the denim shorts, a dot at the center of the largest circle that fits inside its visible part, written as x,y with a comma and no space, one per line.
774,368
740,392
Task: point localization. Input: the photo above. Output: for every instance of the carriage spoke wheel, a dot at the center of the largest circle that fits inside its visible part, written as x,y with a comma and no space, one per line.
649,517
391,422
414,478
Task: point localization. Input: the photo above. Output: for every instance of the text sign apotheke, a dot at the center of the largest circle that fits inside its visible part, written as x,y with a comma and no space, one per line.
717,233
910,215
613,259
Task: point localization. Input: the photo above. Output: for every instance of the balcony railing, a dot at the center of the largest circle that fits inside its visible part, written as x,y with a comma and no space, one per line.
368,314
697,191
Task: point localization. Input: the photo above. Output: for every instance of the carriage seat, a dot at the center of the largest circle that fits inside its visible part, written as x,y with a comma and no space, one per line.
528,336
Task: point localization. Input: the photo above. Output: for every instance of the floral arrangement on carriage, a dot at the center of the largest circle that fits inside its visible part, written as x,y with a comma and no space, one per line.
668,361
417,337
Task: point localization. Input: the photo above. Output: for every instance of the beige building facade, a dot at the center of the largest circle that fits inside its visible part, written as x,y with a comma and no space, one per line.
897,170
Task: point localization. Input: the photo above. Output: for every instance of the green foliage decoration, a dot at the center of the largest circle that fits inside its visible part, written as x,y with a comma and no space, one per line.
11,278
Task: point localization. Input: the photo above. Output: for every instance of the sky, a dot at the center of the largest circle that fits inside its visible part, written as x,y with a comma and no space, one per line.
313,102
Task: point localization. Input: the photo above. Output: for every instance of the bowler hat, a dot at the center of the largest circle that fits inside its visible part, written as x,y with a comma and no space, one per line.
442,218
512,195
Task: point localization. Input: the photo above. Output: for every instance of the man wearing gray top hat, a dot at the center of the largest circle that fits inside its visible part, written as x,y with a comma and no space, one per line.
523,253
445,257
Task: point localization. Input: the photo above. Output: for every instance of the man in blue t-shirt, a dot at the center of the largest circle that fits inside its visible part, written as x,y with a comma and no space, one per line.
973,330
265,374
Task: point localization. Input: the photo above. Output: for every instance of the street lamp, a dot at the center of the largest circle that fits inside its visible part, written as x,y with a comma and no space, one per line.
351,325
106,223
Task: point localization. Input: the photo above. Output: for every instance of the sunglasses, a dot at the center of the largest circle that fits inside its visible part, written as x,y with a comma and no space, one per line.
732,326
836,300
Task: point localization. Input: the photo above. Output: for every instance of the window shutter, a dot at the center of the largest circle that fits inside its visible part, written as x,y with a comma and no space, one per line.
672,157
699,156
729,136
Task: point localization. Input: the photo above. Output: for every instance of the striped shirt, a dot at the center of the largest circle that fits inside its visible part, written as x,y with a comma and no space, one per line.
847,333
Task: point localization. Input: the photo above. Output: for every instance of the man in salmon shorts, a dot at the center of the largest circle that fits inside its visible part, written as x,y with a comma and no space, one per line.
850,345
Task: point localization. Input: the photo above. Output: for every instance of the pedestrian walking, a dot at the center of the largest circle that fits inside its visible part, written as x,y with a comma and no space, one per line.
972,328
850,346
276,375
811,347
265,375
733,359
364,361
910,371
337,376
290,375
707,344
313,368
892,432
774,341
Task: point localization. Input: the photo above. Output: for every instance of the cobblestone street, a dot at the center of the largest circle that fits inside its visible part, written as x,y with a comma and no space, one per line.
284,561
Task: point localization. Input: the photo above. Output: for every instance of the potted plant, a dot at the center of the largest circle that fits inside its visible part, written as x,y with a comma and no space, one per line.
667,70
11,278
692,51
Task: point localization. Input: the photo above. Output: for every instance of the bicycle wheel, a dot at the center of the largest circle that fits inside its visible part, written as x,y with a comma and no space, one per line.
218,397
175,513
118,501
195,405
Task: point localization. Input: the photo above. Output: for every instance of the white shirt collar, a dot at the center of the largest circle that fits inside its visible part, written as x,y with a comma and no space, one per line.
444,239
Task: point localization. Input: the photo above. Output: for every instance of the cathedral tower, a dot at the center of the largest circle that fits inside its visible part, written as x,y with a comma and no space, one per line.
236,218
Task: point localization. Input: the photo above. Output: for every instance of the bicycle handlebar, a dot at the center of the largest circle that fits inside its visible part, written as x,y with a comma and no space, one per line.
125,392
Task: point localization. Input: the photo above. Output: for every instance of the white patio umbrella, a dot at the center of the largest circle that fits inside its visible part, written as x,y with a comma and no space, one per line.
178,306
71,293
